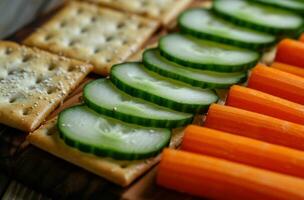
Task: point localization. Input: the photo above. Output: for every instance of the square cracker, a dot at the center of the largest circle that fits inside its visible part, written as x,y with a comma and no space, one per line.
33,83
120,172
162,10
100,36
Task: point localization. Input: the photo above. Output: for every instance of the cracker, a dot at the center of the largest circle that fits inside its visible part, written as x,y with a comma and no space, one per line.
162,10
269,56
138,56
120,172
89,33
33,83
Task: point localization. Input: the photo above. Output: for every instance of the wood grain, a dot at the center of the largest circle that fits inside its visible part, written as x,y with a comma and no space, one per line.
17,190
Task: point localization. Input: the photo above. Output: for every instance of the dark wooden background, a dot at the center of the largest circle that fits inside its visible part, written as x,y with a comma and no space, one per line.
27,172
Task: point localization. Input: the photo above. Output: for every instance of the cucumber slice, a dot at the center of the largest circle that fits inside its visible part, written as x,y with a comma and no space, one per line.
204,24
134,79
258,17
199,78
202,54
88,131
102,96
292,5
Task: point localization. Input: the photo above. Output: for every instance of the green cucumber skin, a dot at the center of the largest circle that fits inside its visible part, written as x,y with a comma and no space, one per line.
157,99
102,152
299,11
135,119
206,36
244,23
185,79
211,67
246,45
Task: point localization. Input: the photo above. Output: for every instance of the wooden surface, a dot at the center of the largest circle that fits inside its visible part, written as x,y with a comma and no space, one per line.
27,172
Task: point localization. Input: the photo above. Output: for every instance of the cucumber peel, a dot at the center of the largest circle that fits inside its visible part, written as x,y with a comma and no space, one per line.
137,81
200,78
206,55
258,17
102,96
84,129
204,24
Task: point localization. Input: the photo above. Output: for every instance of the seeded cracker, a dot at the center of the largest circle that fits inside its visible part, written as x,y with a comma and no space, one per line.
33,83
100,36
162,10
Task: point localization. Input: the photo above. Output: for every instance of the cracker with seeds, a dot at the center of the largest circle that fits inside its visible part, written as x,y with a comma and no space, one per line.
162,10
89,33
120,172
33,83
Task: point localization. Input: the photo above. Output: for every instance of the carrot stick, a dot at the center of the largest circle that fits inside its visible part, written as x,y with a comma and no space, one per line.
243,150
215,178
277,83
302,38
290,52
260,102
255,125
288,68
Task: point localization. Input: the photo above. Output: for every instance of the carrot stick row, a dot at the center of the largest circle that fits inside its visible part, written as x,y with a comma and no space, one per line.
255,125
206,176
244,150
277,83
260,102
288,68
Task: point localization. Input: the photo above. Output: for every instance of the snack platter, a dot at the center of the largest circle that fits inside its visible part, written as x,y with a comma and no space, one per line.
157,78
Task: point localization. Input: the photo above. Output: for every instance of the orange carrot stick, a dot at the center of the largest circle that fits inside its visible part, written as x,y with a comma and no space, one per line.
290,52
277,83
243,150
260,102
255,125
210,177
302,38
288,68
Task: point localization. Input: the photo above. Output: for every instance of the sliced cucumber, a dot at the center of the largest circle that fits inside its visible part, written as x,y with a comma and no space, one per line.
204,24
88,131
293,5
202,54
259,17
134,79
199,78
102,96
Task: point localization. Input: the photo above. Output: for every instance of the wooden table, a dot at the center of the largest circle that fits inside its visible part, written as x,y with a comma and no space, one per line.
27,172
